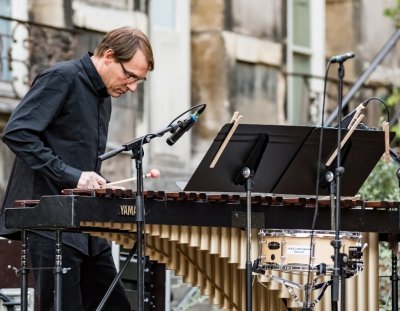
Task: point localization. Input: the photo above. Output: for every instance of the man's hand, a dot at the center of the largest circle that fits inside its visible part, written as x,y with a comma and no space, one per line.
90,180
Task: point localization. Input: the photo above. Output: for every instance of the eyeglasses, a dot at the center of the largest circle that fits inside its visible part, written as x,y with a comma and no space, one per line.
129,75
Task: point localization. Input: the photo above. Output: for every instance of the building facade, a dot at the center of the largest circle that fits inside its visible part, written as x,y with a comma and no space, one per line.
265,59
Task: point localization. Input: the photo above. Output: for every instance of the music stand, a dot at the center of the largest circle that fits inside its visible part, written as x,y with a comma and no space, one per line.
359,156
285,160
283,142
289,163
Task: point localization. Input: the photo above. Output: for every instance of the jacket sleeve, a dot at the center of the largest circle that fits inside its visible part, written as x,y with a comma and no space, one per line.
24,131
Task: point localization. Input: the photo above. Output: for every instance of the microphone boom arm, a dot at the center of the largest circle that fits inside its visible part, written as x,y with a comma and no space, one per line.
137,143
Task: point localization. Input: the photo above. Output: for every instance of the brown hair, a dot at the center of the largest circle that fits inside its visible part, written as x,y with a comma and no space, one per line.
125,42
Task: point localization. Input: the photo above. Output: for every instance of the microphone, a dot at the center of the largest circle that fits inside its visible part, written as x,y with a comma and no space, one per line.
154,173
184,126
341,57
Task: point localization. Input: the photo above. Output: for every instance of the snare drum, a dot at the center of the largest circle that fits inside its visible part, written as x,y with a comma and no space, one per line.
295,251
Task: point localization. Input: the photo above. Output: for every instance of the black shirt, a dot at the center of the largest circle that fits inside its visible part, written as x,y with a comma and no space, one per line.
57,131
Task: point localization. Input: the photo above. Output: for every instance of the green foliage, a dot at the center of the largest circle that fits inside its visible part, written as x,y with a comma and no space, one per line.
385,270
394,13
394,98
382,183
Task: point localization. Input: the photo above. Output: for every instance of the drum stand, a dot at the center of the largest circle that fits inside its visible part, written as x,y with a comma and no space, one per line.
290,286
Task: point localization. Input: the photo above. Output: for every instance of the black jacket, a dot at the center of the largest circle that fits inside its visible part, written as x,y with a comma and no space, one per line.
57,131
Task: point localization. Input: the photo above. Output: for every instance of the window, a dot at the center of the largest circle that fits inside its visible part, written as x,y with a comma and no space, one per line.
305,57
163,13
5,40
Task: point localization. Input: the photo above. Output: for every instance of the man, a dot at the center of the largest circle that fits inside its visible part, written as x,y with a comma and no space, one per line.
57,133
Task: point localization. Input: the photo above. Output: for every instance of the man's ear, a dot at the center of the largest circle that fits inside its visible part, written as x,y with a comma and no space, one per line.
109,54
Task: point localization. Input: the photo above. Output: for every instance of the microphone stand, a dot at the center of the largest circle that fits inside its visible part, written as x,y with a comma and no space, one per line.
137,153
394,278
336,243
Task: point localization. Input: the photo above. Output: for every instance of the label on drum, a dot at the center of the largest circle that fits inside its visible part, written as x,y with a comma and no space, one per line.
301,250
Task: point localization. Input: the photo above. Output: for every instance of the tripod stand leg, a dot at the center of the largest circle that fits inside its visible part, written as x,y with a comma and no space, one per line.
116,279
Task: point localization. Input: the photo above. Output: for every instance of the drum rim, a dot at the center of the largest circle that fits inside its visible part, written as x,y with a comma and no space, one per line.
307,233
298,267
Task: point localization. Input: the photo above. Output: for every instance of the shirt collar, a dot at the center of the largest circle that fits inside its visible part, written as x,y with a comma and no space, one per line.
93,75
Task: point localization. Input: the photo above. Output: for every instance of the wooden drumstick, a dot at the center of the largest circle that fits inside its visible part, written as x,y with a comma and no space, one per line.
234,123
154,173
351,130
356,114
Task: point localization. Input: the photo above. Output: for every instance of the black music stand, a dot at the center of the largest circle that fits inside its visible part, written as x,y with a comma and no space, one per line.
283,160
359,156
283,143
290,160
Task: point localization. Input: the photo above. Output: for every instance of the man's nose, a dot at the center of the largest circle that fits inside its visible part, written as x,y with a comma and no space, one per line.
132,86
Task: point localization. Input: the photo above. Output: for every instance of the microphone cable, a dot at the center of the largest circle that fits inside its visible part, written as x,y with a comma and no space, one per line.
365,103
203,106
144,140
308,287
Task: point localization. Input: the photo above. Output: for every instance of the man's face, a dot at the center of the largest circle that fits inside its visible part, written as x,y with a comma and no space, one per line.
120,78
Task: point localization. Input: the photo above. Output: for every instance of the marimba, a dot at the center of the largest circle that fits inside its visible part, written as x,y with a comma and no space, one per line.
199,235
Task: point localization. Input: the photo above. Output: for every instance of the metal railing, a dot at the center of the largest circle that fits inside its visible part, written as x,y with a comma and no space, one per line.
27,48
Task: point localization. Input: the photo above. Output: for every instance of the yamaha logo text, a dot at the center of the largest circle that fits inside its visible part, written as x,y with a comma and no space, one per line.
127,210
